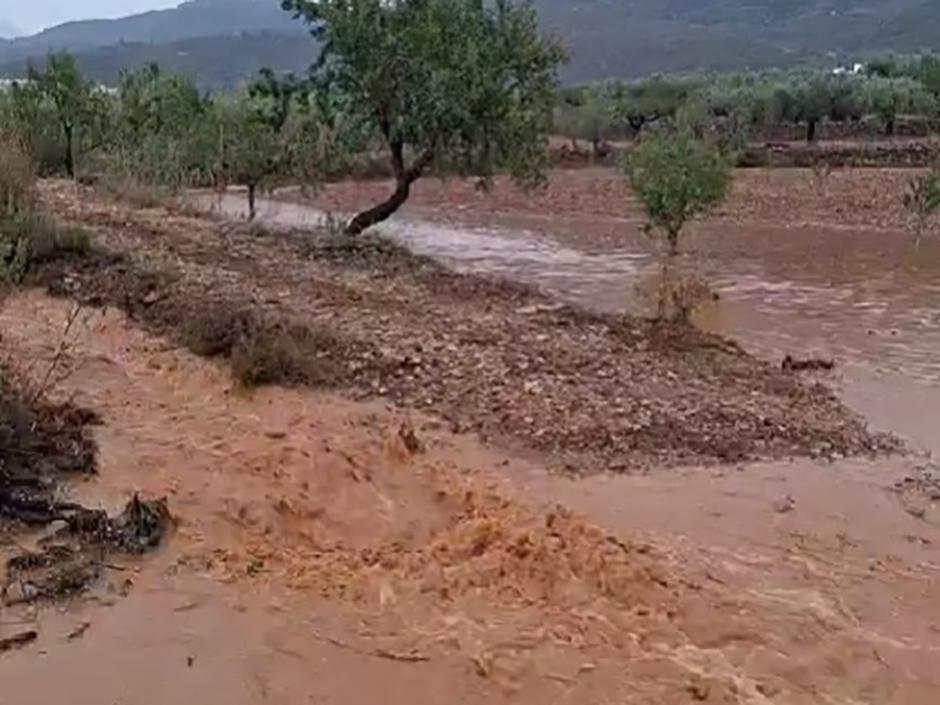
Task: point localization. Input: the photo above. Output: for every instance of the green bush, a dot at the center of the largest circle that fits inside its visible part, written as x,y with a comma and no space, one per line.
677,178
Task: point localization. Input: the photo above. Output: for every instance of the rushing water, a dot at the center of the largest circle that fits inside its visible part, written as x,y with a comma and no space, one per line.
852,296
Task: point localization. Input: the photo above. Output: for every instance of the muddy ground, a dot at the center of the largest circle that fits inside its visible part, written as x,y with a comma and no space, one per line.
347,545
317,558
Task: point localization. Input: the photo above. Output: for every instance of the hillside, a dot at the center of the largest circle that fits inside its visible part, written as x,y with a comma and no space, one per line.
192,19
219,42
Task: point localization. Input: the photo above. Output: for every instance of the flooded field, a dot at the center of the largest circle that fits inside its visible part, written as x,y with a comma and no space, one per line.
800,270
319,557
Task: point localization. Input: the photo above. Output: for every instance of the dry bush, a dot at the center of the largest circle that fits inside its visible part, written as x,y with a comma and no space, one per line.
262,352
26,237
17,176
135,192
285,354
216,331
676,293
822,170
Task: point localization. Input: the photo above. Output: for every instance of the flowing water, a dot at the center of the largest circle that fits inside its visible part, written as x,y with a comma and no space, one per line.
862,297
830,599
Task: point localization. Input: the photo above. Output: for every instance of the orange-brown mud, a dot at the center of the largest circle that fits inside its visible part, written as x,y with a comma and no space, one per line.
317,559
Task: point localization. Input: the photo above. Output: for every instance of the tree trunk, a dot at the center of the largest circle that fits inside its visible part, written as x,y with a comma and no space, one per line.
69,152
673,237
252,190
383,211
403,180
636,123
811,131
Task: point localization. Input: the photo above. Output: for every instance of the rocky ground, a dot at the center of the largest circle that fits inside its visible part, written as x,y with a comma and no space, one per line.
591,391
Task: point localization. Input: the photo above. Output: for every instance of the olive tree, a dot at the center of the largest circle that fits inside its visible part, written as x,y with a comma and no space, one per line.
645,102
677,178
273,133
890,97
163,134
594,119
72,97
457,85
810,99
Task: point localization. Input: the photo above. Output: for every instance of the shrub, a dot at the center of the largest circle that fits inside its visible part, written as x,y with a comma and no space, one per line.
922,201
284,354
262,352
215,332
677,178
26,237
17,175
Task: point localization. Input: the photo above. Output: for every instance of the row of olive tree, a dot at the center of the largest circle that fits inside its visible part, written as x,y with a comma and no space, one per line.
443,86
158,129
744,103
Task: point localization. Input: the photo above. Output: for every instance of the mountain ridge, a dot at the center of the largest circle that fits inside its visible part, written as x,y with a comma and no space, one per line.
606,38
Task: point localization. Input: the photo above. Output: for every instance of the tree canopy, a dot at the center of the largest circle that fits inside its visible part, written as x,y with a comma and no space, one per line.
457,85
677,178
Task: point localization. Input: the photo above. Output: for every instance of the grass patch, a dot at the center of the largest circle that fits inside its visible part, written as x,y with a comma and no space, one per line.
28,238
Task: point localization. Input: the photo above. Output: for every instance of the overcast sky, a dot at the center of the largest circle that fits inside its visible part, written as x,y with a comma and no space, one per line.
34,15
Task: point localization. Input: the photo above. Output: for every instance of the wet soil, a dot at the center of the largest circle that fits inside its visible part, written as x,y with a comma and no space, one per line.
318,558
590,391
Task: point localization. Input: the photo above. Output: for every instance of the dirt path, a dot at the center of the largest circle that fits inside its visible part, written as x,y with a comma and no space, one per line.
317,559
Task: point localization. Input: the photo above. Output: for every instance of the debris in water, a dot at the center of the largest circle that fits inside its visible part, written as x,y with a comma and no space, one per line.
793,364
18,640
410,439
79,631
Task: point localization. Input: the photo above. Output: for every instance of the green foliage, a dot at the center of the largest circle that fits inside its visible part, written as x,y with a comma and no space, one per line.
589,114
890,97
677,178
78,107
922,201
644,102
163,134
277,132
460,85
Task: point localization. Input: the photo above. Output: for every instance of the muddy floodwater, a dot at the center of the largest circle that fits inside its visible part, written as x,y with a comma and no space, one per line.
317,557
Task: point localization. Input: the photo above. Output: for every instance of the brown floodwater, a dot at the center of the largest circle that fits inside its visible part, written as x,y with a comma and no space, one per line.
784,583
789,583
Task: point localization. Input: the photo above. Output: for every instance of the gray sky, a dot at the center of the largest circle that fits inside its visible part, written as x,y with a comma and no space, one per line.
34,15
